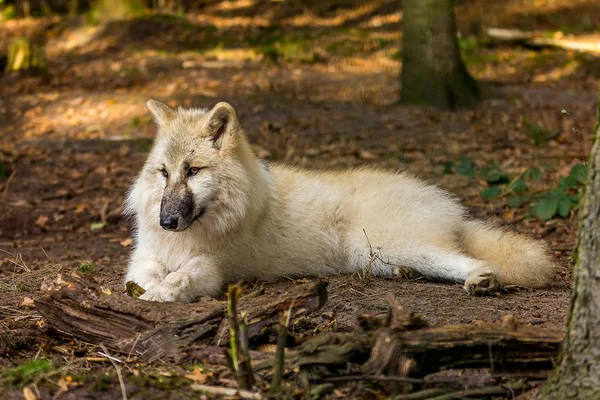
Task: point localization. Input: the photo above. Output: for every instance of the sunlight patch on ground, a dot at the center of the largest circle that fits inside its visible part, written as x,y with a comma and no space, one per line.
309,19
557,73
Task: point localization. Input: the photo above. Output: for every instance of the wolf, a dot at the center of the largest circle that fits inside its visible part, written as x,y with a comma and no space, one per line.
207,212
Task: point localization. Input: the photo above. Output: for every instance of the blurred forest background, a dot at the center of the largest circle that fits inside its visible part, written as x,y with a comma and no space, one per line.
316,84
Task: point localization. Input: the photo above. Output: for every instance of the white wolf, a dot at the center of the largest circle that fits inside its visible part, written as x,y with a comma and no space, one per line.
208,212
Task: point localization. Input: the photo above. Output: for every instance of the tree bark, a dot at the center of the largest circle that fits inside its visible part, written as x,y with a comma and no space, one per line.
433,72
406,346
78,306
577,374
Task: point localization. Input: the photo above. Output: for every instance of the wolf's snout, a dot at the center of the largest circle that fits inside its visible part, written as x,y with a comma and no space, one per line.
177,208
169,223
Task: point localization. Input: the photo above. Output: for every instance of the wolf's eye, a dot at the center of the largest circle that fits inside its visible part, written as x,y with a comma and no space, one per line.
164,173
193,171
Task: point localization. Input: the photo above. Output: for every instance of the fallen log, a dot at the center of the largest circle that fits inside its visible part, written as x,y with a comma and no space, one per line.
77,305
533,40
405,346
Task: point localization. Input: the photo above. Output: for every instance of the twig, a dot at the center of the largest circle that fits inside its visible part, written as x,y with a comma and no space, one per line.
579,139
117,369
245,363
223,391
278,367
103,212
9,181
240,357
232,297
133,347
422,394
70,195
347,378
478,393
111,357
512,183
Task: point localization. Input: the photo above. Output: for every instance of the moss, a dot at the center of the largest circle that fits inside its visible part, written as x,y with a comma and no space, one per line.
88,268
27,372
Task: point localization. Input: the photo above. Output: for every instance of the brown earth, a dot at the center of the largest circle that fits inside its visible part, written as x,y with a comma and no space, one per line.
314,86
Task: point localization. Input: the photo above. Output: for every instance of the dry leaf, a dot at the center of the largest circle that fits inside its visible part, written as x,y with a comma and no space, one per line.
66,382
81,207
29,395
124,150
508,215
27,302
198,376
126,242
42,221
367,155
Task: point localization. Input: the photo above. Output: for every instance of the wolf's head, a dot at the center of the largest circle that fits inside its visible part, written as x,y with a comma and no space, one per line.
197,170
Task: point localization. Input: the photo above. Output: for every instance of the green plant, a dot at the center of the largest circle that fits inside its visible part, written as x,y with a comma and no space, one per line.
538,133
563,198
27,372
88,268
557,201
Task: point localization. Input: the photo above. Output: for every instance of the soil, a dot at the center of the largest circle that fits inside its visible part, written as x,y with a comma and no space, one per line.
318,89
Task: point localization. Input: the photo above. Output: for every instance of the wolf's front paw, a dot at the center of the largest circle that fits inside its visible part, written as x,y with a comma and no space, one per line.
483,282
159,292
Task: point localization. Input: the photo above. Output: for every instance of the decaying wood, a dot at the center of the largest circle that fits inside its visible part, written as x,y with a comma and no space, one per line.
531,39
405,346
398,346
78,306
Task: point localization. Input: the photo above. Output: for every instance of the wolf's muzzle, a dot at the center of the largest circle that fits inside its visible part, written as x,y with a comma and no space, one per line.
169,223
177,208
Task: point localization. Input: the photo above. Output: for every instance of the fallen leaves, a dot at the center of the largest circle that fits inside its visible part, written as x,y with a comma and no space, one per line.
28,394
197,376
27,302
42,221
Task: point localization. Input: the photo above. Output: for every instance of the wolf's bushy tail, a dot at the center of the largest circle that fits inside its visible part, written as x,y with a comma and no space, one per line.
523,261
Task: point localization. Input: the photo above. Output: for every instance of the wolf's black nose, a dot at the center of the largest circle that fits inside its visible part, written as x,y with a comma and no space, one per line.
168,223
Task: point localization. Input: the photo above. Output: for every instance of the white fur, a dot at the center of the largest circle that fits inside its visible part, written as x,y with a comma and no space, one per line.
284,221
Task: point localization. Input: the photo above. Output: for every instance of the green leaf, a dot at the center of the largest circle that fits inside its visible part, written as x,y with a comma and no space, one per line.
578,172
96,226
465,167
519,186
568,182
546,207
564,207
497,178
535,174
515,201
490,193
448,167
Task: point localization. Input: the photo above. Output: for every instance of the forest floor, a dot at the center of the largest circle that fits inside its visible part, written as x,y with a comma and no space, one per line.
315,84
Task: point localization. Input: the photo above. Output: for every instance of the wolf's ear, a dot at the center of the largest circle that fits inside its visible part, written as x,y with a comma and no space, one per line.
221,123
161,112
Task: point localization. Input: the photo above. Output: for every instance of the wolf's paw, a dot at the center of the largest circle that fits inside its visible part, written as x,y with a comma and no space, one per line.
159,292
483,282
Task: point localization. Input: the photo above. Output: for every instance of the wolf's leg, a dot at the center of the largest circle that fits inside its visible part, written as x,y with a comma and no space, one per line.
145,272
479,277
198,277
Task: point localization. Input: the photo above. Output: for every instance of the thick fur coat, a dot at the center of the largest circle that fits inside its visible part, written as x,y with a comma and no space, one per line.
208,212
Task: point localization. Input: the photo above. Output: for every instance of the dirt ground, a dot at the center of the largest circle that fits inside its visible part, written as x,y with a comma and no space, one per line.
315,84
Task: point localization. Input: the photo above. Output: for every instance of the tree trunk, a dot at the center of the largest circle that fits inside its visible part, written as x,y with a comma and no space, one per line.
117,9
24,55
433,72
577,374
